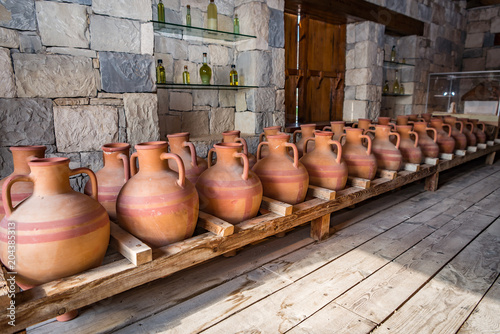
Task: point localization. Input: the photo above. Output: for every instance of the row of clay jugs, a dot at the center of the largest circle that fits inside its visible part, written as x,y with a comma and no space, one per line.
337,127
233,136
21,155
426,117
229,190
388,155
326,169
471,137
179,144
402,120
409,148
283,178
427,144
269,131
480,134
445,141
157,205
306,131
460,138
363,123
359,159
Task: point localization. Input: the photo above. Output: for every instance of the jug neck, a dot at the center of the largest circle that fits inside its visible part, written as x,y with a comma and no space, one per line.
322,140
22,154
230,136
50,176
225,153
150,156
354,135
111,154
277,143
176,142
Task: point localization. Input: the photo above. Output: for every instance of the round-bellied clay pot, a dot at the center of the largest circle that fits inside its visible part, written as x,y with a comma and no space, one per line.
179,144
21,155
269,131
326,169
457,134
388,155
428,145
480,134
228,189
60,232
409,148
402,120
359,159
157,205
445,141
337,127
469,132
283,178
112,177
306,131
233,136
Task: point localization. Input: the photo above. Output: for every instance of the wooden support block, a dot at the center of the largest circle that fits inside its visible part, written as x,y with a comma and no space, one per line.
482,146
215,225
497,141
472,149
431,182
490,143
320,228
411,167
446,156
431,161
387,174
490,158
277,207
322,193
129,246
460,153
359,182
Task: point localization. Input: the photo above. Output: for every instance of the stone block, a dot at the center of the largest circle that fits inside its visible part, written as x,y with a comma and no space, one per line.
18,14
92,160
173,16
366,54
39,75
196,123
396,5
6,163
495,25
176,47
279,118
261,99
241,101
247,122
30,42
280,100
489,40
73,52
424,12
254,68
195,53
7,83
366,92
221,119
142,118
355,109
180,101
220,75
276,28
473,53
172,4
80,2
474,64
350,93
438,14
147,38
357,77
72,101
474,40
276,4
366,31
126,72
129,9
168,64
254,20
350,59
163,98
493,59
220,55
227,98
278,66
126,34
478,26
225,23
206,98
168,125
196,16
9,38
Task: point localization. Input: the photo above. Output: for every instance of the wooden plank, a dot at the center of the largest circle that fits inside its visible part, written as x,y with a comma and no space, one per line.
490,158
129,246
277,207
359,182
482,146
471,148
460,153
411,167
323,193
320,228
431,161
446,156
432,182
387,174
215,225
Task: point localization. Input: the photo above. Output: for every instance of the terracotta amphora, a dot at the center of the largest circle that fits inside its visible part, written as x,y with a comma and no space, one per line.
233,136
457,133
306,131
388,155
269,131
20,156
179,144
427,144
228,189
409,148
469,131
359,159
337,127
112,176
59,232
157,205
326,169
445,141
283,178
363,123
480,134
426,117
402,120
386,121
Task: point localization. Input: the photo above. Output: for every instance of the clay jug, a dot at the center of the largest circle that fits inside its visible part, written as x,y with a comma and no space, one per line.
234,137
60,232
307,131
283,178
410,150
402,120
363,123
413,117
386,121
480,134
469,132
337,127
445,141
428,145
179,144
229,190
20,156
269,131
359,159
157,205
426,117
388,155
112,176
326,169
457,134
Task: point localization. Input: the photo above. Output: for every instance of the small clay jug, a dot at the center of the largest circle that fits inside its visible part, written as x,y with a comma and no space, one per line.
480,134
413,117
283,178
457,133
469,132
306,131
386,121
157,205
428,145
21,155
426,117
60,232
445,141
402,120
112,176
179,144
337,127
388,155
233,136
228,189
363,123
409,148
359,159
269,131
326,169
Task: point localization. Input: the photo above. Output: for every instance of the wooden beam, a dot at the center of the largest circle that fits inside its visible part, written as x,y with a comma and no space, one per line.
323,193
320,228
490,158
387,174
411,167
129,246
215,225
280,208
359,182
431,182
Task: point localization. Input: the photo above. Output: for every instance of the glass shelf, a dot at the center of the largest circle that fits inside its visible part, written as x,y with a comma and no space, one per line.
392,94
173,28
200,86
395,64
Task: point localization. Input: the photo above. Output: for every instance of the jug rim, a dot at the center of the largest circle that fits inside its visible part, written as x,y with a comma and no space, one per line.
150,145
231,132
179,134
27,147
48,161
273,127
114,147
228,145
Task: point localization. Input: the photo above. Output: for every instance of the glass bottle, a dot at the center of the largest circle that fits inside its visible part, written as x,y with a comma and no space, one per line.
185,76
205,71
233,76
188,15
161,11
401,89
393,53
236,25
395,85
212,15
160,73
386,87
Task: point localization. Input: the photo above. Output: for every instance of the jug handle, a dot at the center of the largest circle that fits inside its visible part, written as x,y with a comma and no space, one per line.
294,137
471,126
416,137
6,195
305,143
342,136
133,164
435,133
449,129
369,148
339,149
259,148
192,149
261,137
354,125
369,131
93,179
244,143
210,157
246,164
126,165
295,154
461,126
393,126
327,128
180,166
398,136
481,123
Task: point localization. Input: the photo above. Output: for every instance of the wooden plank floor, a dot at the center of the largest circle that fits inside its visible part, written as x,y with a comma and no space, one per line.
409,261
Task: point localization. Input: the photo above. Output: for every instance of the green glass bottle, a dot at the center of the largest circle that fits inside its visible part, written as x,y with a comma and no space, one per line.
188,15
386,87
212,15
233,76
161,11
401,89
205,71
393,53
395,85
160,73
236,24
185,76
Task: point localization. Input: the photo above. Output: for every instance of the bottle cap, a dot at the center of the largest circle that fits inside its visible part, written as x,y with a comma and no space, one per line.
185,67
160,61
211,0
233,66
235,16
188,6
204,54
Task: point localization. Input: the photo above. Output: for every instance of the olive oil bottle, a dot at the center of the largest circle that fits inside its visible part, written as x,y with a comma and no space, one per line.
161,11
160,73
205,71
212,15
233,76
185,76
